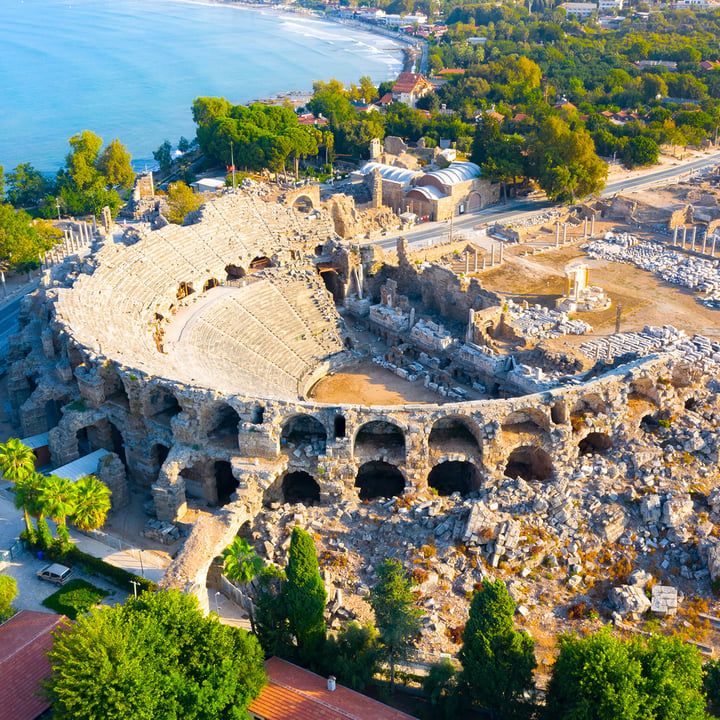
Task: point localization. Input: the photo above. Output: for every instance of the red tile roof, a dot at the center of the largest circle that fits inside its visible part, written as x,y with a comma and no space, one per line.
24,639
409,82
293,693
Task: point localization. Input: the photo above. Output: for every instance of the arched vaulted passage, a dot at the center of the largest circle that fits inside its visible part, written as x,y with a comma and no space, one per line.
225,482
162,406
223,425
210,283
304,430
453,434
450,477
526,421
379,479
379,437
595,443
300,487
529,463
234,272
334,284
261,262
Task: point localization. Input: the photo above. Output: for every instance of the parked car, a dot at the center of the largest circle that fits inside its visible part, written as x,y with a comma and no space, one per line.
55,573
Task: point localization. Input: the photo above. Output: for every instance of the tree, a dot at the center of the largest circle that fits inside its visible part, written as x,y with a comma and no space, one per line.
440,687
115,164
92,503
17,463
601,677
240,563
396,617
2,184
181,202
303,595
8,591
22,238
57,498
639,150
498,661
26,186
163,156
154,657
353,655
271,624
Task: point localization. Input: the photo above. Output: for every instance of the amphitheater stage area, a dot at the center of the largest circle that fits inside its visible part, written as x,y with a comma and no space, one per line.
370,384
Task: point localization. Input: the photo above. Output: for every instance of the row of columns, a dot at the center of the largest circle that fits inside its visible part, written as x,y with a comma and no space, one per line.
485,265
564,241
681,242
72,242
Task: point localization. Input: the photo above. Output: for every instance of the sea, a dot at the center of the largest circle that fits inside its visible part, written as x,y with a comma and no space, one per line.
130,69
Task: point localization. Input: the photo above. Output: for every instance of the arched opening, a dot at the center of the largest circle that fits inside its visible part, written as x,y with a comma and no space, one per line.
559,412
162,406
258,415
53,410
303,204
339,426
379,480
32,383
184,289
380,438
527,420
304,430
318,250
474,202
450,477
225,481
300,487
115,392
649,423
592,404
211,283
261,263
118,443
529,463
595,443
691,404
159,455
84,443
334,285
234,272
452,434
224,425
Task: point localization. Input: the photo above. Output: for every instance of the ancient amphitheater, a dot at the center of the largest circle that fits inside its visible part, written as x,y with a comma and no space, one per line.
190,353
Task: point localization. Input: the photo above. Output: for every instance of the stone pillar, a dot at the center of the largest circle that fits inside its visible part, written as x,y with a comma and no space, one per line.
714,241
111,471
675,236
492,255
170,502
471,323
694,231
684,237
704,243
467,262
592,227
476,258
564,233
585,229
557,234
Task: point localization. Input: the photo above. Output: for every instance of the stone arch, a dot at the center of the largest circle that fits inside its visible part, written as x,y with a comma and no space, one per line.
261,262
379,438
455,476
299,486
118,443
303,203
319,250
184,289
161,405
474,202
526,420
303,430
530,463
455,434
334,284
339,426
158,455
93,435
210,283
379,479
234,272
258,415
595,443
222,424
115,391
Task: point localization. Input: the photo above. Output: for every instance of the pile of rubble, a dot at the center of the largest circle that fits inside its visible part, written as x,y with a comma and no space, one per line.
538,322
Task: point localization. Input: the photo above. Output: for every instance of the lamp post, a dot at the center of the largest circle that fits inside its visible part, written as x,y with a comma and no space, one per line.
217,610
135,584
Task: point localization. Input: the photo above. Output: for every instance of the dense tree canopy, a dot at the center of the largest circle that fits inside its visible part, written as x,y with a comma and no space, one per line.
154,657
22,239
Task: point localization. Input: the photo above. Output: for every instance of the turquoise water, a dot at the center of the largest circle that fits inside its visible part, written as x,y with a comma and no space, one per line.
130,69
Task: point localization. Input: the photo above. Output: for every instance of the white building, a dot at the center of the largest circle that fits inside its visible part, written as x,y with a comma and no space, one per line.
579,9
605,5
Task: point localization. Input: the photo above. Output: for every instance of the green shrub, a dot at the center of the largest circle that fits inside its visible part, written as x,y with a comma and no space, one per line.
75,598
121,577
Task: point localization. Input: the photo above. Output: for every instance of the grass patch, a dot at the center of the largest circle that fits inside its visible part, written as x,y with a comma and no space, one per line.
74,598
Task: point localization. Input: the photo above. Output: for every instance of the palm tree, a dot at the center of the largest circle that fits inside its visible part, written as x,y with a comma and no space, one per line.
27,497
16,460
240,563
57,497
92,502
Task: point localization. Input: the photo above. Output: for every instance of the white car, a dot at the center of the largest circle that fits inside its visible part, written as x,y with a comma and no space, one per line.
55,573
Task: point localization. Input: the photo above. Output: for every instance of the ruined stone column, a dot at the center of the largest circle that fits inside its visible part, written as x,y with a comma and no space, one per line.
692,242
467,262
684,236
476,258
564,233
471,322
557,234
675,236
585,229
704,242
492,255
592,227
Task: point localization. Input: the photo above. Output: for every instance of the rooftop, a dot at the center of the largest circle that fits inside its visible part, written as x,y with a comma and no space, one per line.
293,693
